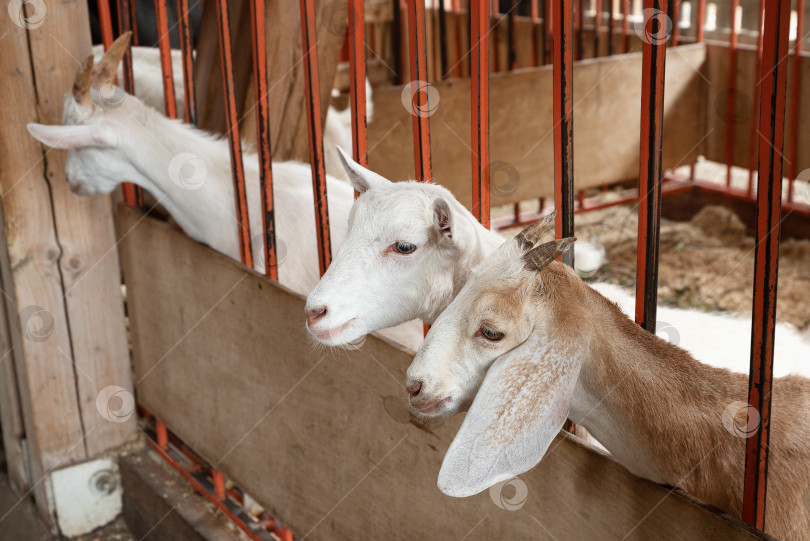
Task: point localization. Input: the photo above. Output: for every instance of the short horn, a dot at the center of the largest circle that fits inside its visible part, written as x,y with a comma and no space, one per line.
81,84
537,258
531,234
108,65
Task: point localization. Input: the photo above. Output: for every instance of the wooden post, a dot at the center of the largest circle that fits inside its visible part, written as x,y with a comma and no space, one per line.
66,335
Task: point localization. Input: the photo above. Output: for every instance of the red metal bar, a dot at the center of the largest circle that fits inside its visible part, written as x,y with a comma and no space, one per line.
161,435
676,22
701,20
219,484
479,61
420,107
235,143
753,139
626,26
257,35
563,69
357,88
105,22
315,129
773,76
731,101
164,44
597,23
190,109
795,96
650,170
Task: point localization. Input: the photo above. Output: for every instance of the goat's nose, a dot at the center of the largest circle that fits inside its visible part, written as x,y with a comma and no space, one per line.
414,388
315,314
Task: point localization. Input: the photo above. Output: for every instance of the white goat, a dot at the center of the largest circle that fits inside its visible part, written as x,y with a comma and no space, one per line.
411,246
525,341
148,75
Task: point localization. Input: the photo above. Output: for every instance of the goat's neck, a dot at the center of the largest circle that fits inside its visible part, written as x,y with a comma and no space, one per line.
200,209
654,407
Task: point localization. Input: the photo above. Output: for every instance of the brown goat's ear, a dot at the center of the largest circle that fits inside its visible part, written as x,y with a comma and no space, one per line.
527,238
81,84
537,258
108,65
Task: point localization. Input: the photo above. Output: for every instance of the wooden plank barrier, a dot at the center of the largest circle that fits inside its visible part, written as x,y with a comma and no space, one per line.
607,92
323,438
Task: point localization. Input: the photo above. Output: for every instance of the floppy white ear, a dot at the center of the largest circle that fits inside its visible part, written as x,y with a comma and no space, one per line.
521,406
361,178
70,136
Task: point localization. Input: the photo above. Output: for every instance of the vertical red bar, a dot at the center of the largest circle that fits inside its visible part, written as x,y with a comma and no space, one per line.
190,110
676,22
563,60
105,22
772,133
650,172
731,102
161,435
315,129
626,26
795,96
165,57
357,84
420,106
479,60
232,121
257,35
701,20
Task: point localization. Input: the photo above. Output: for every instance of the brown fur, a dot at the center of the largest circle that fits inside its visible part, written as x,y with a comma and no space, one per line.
671,406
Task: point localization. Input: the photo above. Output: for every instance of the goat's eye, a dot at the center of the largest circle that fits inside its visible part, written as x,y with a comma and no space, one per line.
490,334
403,247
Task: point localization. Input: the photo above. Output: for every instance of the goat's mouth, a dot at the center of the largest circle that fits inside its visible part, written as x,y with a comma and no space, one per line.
431,408
331,336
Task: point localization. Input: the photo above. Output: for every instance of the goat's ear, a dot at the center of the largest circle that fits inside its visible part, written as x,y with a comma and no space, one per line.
68,137
81,84
442,218
540,256
532,233
104,72
361,178
521,406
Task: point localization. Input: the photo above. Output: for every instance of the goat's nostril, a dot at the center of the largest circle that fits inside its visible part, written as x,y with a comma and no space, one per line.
414,388
315,314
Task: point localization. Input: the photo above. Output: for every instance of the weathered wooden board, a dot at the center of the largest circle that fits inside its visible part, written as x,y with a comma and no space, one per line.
744,96
60,272
323,437
607,94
